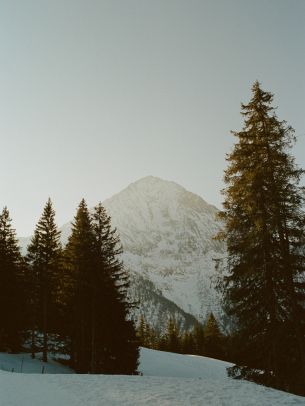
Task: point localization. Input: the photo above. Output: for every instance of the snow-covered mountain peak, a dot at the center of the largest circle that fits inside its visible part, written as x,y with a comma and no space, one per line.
168,239
153,184
151,211
147,190
154,189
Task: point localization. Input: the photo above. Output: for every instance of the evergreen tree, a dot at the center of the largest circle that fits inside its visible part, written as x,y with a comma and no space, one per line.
213,338
12,301
264,231
79,266
152,338
173,343
198,337
32,287
162,343
44,261
116,353
142,332
147,336
187,343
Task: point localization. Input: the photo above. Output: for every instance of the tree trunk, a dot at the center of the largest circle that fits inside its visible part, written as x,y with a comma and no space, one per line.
93,332
44,326
33,343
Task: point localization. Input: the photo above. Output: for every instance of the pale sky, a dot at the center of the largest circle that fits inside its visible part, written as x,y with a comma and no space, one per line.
97,94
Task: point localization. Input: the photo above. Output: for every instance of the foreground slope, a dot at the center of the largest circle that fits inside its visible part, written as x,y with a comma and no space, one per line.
168,379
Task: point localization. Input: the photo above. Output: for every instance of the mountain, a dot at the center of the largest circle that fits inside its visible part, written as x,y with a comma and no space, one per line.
167,234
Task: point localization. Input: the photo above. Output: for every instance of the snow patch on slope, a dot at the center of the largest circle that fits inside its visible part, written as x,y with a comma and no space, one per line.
168,379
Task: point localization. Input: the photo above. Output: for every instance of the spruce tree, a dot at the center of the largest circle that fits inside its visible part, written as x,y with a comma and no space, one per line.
173,343
79,266
264,231
187,343
198,337
32,287
12,300
114,353
44,262
147,336
213,338
142,332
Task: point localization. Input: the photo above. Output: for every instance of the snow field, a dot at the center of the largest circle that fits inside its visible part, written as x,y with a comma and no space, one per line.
168,380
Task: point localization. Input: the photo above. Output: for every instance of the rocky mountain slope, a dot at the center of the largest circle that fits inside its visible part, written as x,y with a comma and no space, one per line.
167,235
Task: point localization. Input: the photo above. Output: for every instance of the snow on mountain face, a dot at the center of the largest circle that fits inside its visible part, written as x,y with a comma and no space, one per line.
168,240
167,235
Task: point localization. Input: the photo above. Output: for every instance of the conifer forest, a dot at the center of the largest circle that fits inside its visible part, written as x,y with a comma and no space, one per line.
69,299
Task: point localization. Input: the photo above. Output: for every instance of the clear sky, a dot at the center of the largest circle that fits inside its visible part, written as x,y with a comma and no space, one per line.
97,94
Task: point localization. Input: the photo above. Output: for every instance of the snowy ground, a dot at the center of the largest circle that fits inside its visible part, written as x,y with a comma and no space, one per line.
25,364
168,379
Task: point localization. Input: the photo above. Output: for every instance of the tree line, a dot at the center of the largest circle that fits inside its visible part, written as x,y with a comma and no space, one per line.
206,340
71,300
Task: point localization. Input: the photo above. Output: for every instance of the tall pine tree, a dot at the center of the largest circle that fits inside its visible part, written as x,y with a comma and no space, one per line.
173,338
80,268
44,264
12,300
198,335
116,347
213,338
264,231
